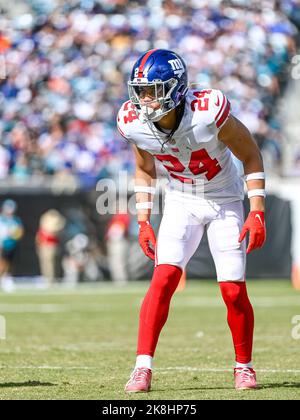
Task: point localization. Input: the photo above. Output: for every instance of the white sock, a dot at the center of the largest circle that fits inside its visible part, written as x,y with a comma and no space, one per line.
243,365
143,360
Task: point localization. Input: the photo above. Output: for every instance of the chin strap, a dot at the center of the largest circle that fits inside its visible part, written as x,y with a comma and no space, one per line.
148,113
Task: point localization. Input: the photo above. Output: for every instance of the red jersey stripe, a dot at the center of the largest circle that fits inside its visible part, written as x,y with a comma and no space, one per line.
222,107
224,116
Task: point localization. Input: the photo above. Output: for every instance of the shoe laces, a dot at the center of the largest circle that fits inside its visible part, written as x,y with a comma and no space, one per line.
246,374
139,374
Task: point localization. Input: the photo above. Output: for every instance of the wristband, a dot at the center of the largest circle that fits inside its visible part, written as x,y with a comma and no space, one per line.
144,189
256,193
255,175
144,206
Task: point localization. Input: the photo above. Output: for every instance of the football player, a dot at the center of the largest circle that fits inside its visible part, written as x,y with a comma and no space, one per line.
193,134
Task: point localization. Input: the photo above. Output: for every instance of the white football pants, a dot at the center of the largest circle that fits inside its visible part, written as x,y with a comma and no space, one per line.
182,227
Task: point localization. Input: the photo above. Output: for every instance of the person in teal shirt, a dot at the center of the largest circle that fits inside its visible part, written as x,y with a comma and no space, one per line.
11,232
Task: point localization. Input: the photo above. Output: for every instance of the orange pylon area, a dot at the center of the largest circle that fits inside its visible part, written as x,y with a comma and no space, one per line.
182,282
296,277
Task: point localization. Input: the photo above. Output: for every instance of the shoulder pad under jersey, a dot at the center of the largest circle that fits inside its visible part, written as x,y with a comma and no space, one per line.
125,119
210,105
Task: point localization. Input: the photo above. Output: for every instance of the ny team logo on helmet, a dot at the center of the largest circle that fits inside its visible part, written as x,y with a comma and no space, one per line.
164,74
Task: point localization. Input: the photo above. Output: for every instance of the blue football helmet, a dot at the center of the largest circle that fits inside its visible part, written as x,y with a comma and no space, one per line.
162,75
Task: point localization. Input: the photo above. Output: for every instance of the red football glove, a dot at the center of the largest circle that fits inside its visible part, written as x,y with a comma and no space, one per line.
255,225
146,238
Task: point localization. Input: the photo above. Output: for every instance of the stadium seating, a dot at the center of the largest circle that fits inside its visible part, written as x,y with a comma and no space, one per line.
57,115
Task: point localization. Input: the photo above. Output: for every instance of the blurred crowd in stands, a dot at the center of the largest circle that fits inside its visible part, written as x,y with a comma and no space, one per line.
67,64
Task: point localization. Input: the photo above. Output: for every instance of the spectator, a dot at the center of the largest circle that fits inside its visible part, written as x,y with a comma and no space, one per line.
79,263
117,247
47,241
4,162
11,232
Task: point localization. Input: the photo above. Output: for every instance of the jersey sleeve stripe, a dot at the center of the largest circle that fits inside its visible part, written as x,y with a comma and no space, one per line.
224,116
222,107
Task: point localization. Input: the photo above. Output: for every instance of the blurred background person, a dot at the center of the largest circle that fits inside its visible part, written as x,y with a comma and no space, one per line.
117,247
51,226
79,263
11,232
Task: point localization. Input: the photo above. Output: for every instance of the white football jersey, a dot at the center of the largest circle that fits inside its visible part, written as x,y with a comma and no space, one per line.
196,161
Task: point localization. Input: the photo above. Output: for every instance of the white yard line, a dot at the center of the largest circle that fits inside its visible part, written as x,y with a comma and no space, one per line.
53,308
216,370
31,308
260,302
23,290
197,302
159,370
46,367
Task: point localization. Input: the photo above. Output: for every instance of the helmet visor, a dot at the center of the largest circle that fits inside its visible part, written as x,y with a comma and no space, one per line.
153,91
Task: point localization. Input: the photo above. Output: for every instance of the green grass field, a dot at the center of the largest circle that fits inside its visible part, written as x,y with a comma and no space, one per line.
80,344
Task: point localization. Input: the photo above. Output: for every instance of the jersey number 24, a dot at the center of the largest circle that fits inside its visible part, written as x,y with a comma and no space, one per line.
200,163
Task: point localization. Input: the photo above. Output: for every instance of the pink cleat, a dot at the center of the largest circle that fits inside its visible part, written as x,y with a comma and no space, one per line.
245,378
140,380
